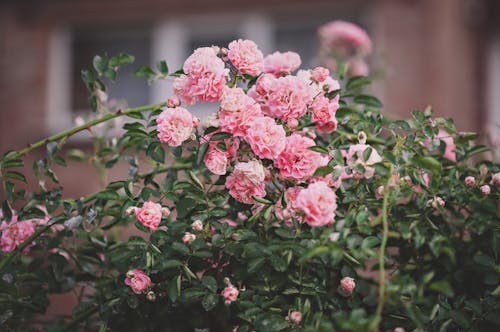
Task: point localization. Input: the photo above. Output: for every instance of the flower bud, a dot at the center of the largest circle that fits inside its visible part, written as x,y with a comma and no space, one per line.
495,179
188,238
295,317
347,284
197,225
130,210
130,274
151,296
470,181
165,212
362,137
485,190
173,102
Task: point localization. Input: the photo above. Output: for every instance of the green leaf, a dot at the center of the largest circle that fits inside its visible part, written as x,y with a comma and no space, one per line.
100,63
210,283
220,136
210,301
15,176
323,170
286,233
442,287
319,149
195,180
156,152
316,251
428,163
262,200
400,124
357,81
121,59
256,264
368,101
370,242
145,72
11,163
162,67
201,153
270,323
180,248
278,263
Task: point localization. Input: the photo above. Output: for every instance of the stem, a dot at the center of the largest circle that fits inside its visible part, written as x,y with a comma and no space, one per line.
381,261
74,130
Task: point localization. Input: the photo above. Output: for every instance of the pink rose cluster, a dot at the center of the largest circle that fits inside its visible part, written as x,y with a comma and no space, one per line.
150,214
246,181
17,231
175,125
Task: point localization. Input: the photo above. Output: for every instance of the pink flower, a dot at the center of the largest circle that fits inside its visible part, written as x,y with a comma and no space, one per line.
247,180
449,152
344,38
150,214
354,157
485,190
280,64
237,111
319,203
204,79
173,102
296,161
319,74
437,202
323,113
266,138
228,222
15,233
470,181
188,238
347,284
216,160
197,225
495,179
295,317
137,280
289,99
291,210
358,67
246,56
175,125
230,294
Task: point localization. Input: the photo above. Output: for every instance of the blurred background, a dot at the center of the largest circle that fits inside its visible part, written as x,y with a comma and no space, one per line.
444,53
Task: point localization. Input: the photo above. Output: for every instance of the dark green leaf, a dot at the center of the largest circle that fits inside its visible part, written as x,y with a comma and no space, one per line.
368,101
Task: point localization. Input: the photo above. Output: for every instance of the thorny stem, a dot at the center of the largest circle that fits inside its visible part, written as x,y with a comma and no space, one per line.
74,130
381,263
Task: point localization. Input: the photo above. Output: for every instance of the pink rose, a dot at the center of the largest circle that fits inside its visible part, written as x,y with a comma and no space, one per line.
358,67
205,77
137,280
266,138
495,179
247,180
291,210
237,111
449,152
296,161
470,181
437,202
197,225
175,125
295,317
188,238
150,214
344,38
319,203
216,160
280,64
319,74
173,102
246,56
485,190
323,113
15,233
230,294
289,99
347,284
228,222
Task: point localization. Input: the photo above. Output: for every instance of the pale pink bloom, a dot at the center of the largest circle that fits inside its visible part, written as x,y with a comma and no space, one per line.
247,180
266,138
334,237
175,125
358,67
485,190
319,74
399,329
295,317
15,233
495,179
150,214
291,210
230,294
323,113
280,64
289,99
327,85
204,79
470,181
137,280
216,160
151,296
379,192
344,38
246,56
449,152
319,203
296,161
347,284
242,216
237,111
197,225
173,102
228,222
188,238
354,157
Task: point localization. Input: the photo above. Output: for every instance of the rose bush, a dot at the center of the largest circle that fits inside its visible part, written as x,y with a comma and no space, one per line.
296,206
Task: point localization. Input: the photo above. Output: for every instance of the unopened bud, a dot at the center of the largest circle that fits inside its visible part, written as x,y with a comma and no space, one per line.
151,296
362,137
